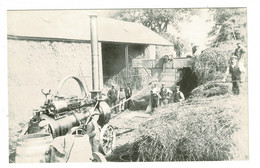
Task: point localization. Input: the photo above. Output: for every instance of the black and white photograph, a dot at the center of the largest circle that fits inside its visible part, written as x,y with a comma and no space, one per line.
124,85
128,85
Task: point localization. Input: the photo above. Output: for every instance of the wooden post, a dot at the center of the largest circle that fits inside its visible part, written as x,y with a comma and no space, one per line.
127,63
100,66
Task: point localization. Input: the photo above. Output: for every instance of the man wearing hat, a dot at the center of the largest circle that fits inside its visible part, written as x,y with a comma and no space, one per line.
112,94
72,148
178,95
165,93
155,96
178,47
236,71
121,99
239,52
128,94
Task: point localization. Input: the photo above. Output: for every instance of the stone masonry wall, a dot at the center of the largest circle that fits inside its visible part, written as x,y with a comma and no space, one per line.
33,65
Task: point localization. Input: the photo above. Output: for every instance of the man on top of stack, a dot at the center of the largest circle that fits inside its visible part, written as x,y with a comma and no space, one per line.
239,52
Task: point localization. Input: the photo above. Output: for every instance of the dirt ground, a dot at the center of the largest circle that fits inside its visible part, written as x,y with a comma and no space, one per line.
124,123
126,126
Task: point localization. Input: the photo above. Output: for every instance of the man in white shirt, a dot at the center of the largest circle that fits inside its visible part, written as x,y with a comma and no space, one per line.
178,95
236,70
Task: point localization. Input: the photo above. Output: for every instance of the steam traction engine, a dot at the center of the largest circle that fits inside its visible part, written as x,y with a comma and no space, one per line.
61,124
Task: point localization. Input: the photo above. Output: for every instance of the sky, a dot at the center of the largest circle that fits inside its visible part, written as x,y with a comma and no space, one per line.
196,30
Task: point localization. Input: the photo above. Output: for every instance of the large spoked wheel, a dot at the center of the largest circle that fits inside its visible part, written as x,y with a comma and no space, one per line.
77,131
98,157
107,139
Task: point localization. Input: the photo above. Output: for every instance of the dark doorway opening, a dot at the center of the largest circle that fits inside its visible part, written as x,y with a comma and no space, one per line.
114,64
113,59
188,81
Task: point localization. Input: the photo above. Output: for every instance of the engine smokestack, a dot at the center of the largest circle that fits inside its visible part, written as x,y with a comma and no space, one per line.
94,52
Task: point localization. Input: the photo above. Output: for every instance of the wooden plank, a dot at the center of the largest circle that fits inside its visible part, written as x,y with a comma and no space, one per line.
127,62
182,62
177,63
140,63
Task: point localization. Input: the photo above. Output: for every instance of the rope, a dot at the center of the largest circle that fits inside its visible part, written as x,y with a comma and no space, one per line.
151,83
132,96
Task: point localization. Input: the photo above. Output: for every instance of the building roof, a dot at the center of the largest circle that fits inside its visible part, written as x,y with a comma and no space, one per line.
75,25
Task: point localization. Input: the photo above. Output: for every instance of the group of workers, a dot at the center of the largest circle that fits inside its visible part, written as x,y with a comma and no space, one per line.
163,96
179,48
121,97
120,100
235,69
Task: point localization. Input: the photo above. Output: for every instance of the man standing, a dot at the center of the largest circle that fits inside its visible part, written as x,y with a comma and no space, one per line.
112,94
128,94
178,47
165,59
236,71
239,52
165,94
155,97
196,51
178,95
121,99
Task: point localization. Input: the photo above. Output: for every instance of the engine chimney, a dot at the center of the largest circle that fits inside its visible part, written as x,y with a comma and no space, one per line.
94,56
94,52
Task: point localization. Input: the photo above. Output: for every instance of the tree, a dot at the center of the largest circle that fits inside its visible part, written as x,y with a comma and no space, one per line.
157,20
230,24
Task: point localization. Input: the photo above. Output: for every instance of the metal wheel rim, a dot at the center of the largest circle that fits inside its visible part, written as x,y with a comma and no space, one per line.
107,139
77,131
98,157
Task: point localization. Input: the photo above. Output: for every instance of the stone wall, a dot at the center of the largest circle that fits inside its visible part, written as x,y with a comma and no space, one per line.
33,65
164,50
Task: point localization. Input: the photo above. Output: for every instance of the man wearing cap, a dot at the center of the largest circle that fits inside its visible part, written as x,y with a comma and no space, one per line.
236,71
178,47
121,99
128,94
155,96
239,52
196,51
112,94
165,94
178,95
165,59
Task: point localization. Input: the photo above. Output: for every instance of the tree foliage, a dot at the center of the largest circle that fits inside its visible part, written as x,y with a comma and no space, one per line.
157,20
230,24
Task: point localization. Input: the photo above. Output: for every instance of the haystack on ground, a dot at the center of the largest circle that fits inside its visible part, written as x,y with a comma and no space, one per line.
201,129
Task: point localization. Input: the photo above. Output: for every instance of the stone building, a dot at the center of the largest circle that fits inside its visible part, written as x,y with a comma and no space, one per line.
46,46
